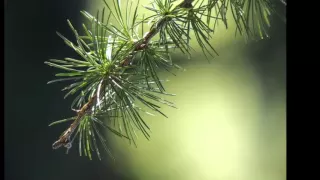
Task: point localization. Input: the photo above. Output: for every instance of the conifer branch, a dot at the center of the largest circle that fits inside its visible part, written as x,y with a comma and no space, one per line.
117,79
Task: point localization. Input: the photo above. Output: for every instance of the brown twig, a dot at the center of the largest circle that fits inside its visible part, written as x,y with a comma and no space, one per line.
64,139
139,46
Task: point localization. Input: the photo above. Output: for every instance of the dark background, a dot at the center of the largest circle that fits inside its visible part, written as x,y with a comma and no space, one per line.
31,104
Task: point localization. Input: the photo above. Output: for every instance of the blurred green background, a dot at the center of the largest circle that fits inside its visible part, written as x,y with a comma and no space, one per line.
230,125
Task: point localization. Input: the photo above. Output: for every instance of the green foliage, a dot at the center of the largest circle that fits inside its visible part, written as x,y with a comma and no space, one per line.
118,70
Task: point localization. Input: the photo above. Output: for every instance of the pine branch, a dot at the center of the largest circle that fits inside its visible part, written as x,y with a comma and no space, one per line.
119,68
